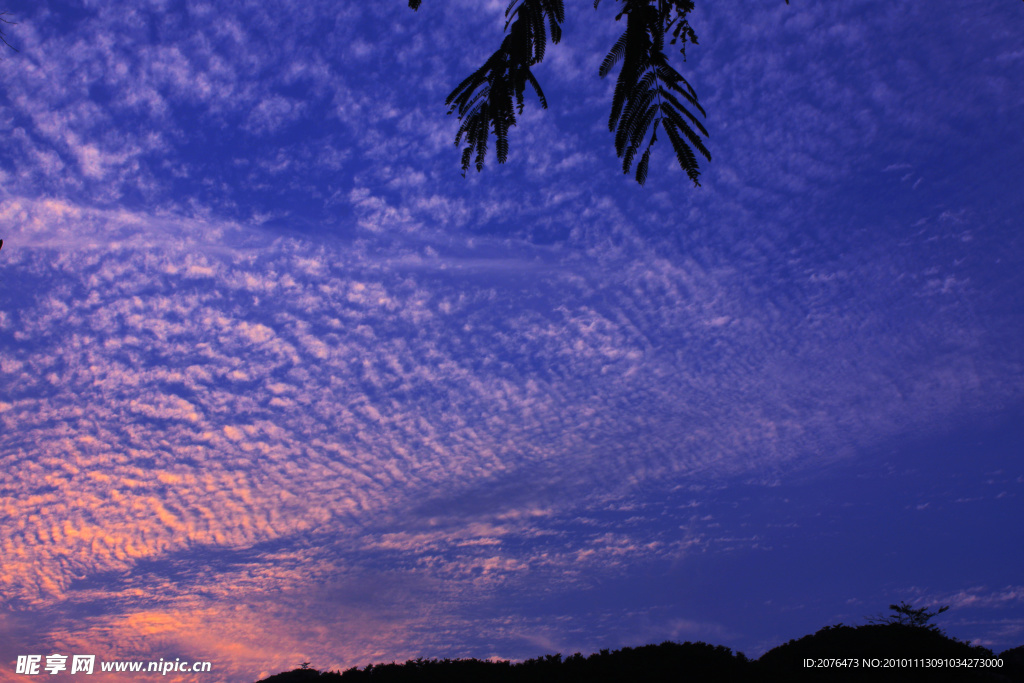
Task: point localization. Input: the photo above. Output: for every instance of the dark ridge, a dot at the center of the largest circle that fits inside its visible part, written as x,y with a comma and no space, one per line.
880,653
701,663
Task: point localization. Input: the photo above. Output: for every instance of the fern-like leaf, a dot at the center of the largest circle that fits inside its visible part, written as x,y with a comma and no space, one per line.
627,159
673,79
481,148
556,15
629,131
671,99
644,124
649,92
641,168
677,120
486,101
536,89
684,155
613,56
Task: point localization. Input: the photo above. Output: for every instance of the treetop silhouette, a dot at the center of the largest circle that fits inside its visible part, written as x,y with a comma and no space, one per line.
904,635
905,615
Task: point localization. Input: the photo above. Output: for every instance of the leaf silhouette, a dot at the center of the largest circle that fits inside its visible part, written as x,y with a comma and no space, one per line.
488,100
646,90
649,93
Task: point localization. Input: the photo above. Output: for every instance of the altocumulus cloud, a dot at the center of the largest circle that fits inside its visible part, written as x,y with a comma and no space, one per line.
202,425
274,379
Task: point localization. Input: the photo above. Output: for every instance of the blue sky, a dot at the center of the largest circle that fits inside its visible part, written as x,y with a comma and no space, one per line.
277,384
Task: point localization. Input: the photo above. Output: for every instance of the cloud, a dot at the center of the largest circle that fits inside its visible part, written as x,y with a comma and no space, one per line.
258,335
981,596
184,388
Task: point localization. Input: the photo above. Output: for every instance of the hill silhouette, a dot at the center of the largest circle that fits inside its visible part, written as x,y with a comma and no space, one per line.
699,662
896,652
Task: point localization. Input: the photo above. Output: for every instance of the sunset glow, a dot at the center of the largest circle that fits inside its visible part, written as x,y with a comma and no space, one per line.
278,385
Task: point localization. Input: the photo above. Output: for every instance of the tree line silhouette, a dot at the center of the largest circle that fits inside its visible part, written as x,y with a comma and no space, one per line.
905,636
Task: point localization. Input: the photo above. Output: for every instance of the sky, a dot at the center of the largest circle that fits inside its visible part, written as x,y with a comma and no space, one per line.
278,384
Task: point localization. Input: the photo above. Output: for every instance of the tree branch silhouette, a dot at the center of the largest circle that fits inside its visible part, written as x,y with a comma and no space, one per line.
3,36
650,94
